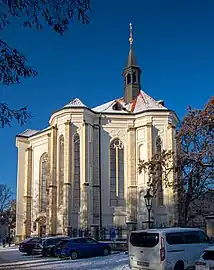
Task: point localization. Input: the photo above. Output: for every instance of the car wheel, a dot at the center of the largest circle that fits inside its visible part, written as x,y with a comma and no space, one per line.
179,266
106,252
74,255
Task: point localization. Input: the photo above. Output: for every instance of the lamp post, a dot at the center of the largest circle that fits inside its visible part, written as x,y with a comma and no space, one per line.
148,200
10,220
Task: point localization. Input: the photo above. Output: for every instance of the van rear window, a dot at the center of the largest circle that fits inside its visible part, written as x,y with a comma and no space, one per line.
144,239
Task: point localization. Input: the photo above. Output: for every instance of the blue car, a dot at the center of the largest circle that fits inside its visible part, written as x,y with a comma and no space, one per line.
75,248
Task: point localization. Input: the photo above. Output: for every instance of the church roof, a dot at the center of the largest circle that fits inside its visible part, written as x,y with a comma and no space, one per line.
28,133
76,102
141,103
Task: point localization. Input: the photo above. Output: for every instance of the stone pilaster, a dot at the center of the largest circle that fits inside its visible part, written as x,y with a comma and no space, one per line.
132,187
28,191
67,176
172,195
149,128
84,183
53,184
48,185
95,179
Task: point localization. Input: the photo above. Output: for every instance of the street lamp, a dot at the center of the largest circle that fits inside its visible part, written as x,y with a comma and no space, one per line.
10,221
148,200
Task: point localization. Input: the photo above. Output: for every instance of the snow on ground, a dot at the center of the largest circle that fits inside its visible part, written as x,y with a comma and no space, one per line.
12,259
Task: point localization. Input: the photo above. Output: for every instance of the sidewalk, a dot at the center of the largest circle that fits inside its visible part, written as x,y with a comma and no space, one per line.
12,247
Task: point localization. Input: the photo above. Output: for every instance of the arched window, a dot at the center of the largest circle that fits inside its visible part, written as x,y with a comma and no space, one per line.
76,173
43,182
134,78
61,171
116,173
159,169
128,78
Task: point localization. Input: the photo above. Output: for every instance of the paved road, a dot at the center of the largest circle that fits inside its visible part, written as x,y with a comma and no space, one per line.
12,259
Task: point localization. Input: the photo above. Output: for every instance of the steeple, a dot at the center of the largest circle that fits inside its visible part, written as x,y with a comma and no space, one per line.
131,74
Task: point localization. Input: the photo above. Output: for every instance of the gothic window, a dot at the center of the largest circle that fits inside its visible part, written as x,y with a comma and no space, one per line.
116,173
43,182
61,170
159,169
76,172
128,78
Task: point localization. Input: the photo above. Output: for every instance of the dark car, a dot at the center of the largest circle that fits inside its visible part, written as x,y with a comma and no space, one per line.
74,248
37,250
49,245
28,245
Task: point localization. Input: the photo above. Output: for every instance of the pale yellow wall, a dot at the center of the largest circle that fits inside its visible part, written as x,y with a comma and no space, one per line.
39,146
146,127
21,144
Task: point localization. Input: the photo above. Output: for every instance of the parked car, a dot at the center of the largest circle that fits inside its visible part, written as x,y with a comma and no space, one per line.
28,245
37,250
206,261
49,245
169,248
74,248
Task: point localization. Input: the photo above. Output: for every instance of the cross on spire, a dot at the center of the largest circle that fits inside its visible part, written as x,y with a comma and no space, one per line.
130,35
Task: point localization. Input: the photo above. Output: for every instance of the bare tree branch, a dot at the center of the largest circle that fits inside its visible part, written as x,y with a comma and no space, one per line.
7,115
57,14
192,164
5,197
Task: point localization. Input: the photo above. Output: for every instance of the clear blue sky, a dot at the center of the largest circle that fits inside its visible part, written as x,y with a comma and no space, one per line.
173,44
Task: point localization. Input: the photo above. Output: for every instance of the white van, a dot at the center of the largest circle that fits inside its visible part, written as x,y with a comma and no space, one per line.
166,249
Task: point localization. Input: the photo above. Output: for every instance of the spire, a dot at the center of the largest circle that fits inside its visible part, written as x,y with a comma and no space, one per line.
131,73
131,58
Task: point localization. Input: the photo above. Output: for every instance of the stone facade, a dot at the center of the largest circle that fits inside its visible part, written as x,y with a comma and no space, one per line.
100,146
138,134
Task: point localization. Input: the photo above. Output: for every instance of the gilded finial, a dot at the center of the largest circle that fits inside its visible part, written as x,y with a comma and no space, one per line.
130,36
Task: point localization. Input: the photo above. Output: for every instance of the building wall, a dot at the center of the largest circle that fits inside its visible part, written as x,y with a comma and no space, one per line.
22,145
39,147
138,134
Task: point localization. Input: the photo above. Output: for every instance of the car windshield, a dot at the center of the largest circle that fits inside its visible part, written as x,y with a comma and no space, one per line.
26,240
144,239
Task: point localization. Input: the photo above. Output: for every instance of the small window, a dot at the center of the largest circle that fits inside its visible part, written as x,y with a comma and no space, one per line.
49,242
117,107
192,237
134,78
203,237
62,242
91,241
144,239
208,255
34,240
82,240
128,78
175,238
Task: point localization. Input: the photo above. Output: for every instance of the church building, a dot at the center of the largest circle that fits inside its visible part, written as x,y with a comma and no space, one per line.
82,170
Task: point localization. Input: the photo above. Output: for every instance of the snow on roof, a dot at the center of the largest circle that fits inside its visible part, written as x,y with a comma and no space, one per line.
108,107
141,103
76,102
28,132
